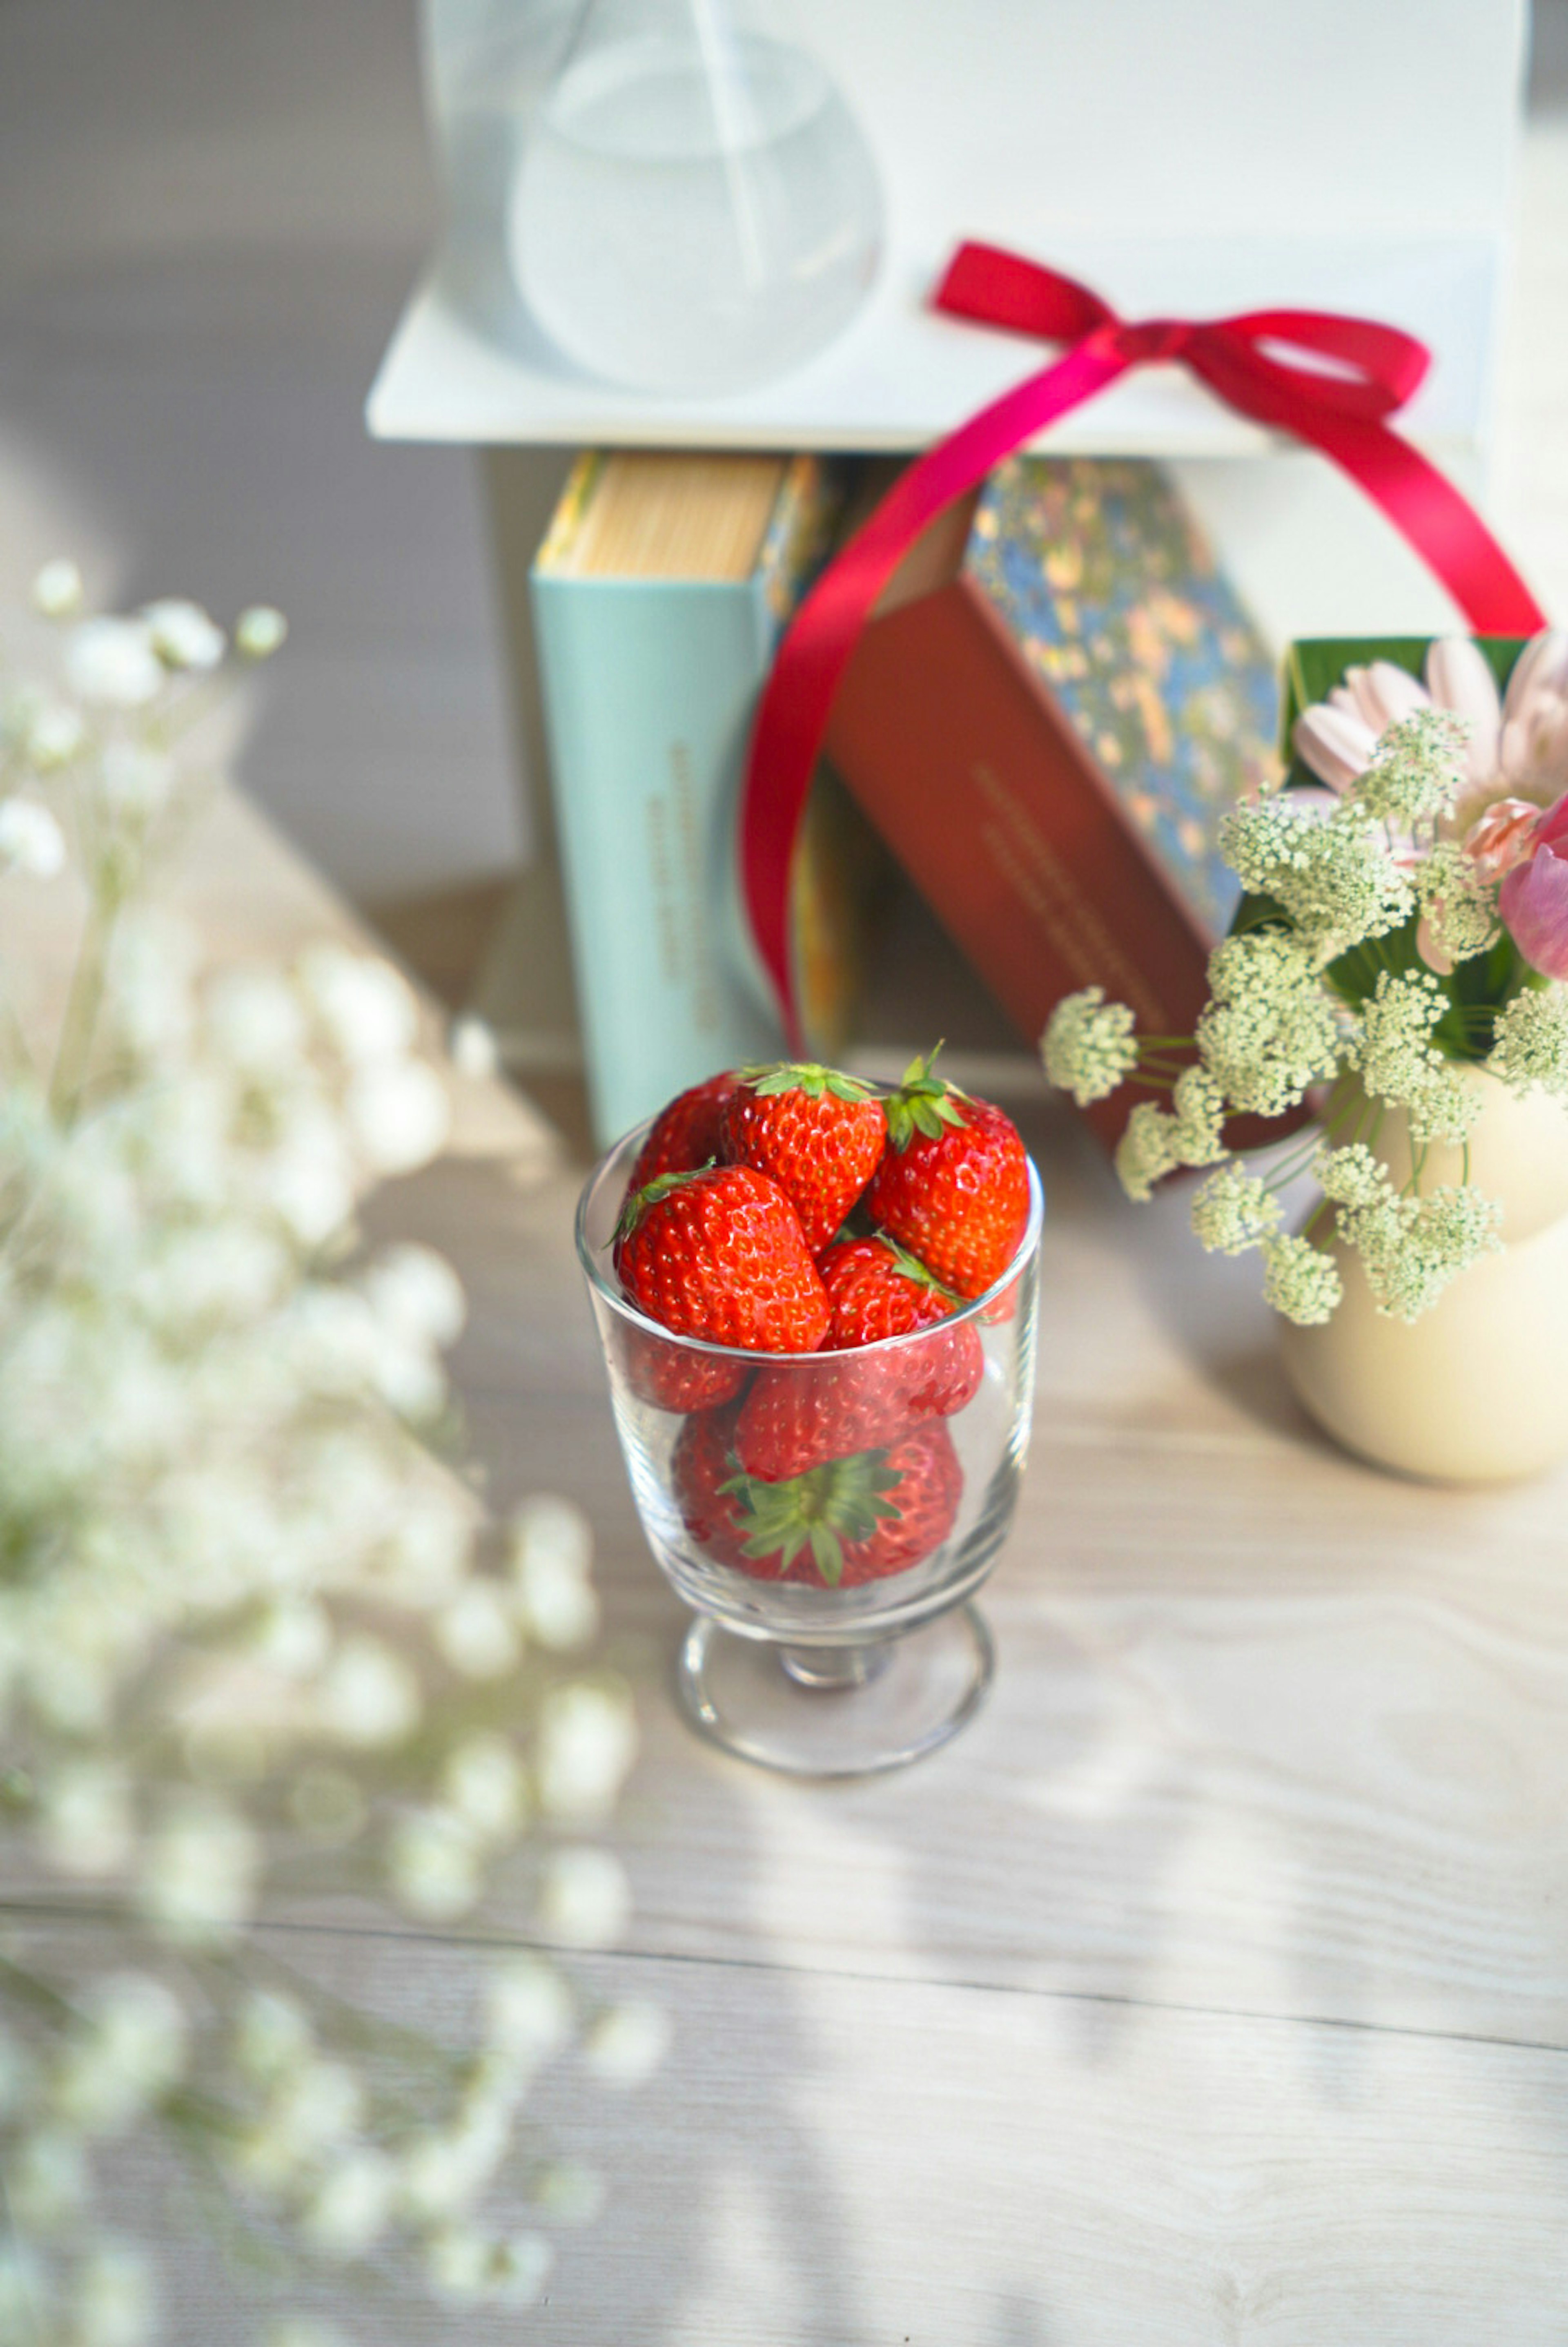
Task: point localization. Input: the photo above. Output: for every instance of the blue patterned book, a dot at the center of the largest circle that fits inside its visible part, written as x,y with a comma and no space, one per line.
1048,716
659,594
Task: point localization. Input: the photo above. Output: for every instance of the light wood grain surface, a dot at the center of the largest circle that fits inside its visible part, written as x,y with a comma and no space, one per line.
1212,1987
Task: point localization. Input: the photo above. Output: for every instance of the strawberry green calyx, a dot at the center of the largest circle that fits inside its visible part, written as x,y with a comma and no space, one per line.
638,1202
922,1103
804,1076
913,1269
843,1501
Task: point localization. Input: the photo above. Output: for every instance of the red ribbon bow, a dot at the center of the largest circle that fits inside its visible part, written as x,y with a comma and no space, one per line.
1358,374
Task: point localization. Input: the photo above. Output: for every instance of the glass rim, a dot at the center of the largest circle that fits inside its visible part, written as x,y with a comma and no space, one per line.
601,1279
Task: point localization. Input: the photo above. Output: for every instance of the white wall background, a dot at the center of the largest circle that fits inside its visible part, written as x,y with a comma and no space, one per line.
210,212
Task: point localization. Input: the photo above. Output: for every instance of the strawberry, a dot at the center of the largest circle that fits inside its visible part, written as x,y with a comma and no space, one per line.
854,1520
684,1135
719,1255
953,1186
877,1290
798,1418
818,1134
702,1467
670,1376
850,1521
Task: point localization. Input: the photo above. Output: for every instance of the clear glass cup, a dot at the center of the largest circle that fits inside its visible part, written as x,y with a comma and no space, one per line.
785,1664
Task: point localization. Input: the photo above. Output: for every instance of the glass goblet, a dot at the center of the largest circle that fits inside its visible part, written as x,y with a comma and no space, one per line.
835,1632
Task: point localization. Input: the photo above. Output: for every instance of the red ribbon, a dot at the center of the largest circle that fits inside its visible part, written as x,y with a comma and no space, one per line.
1364,372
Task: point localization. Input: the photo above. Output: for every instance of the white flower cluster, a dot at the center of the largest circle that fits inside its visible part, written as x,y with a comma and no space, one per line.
1332,875
248,1621
1531,1045
1270,1029
1089,1047
1397,1061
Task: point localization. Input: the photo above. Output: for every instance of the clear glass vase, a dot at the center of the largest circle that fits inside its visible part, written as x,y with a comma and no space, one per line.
880,1654
695,210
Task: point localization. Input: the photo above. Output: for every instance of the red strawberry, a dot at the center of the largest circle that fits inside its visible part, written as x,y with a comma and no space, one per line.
796,1418
877,1290
852,1520
944,1373
719,1255
684,1135
702,1465
670,1375
818,1134
953,1186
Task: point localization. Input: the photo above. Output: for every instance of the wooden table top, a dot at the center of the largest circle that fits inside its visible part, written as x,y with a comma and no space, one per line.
1211,1987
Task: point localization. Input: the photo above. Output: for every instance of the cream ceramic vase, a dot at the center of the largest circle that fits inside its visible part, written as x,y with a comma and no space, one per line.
1477,1389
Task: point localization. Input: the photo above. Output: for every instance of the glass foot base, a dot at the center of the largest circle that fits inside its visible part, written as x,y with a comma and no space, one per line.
836,1711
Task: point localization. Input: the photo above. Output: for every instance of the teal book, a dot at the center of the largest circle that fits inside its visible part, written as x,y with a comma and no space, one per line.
658,595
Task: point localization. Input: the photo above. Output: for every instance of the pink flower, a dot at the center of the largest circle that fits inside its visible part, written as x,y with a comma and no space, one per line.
1505,836
1534,900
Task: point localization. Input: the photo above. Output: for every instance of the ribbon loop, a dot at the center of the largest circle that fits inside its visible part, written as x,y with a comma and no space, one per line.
1346,376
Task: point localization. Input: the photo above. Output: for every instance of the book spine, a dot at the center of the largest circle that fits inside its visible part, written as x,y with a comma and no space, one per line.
649,688
984,795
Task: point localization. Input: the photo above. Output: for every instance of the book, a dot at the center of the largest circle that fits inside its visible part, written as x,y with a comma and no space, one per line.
658,593
1057,699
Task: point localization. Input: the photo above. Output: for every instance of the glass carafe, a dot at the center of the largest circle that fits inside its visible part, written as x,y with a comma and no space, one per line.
695,210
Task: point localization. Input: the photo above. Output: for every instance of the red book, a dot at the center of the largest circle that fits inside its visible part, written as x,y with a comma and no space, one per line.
1056,700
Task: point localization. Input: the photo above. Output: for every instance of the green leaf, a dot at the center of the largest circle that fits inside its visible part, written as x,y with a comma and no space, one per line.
804,1076
640,1201
922,1103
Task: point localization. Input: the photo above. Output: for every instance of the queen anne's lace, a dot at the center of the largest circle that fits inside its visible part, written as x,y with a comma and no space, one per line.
1531,1041
1089,1047
1270,1029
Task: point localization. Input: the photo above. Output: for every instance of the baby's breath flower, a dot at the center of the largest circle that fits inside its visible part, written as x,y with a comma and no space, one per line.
1531,1044
368,1696
132,2050
626,2044
55,737
477,1632
113,662
1416,770
114,2303
1233,1211
1270,1029
434,1864
1299,1280
1147,1150
183,636
415,1291
259,632
367,1009
57,589
585,1899
530,2010
1089,1047
198,1872
587,1741
351,2207
551,1549
484,1782
1398,1060
1335,876
31,841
